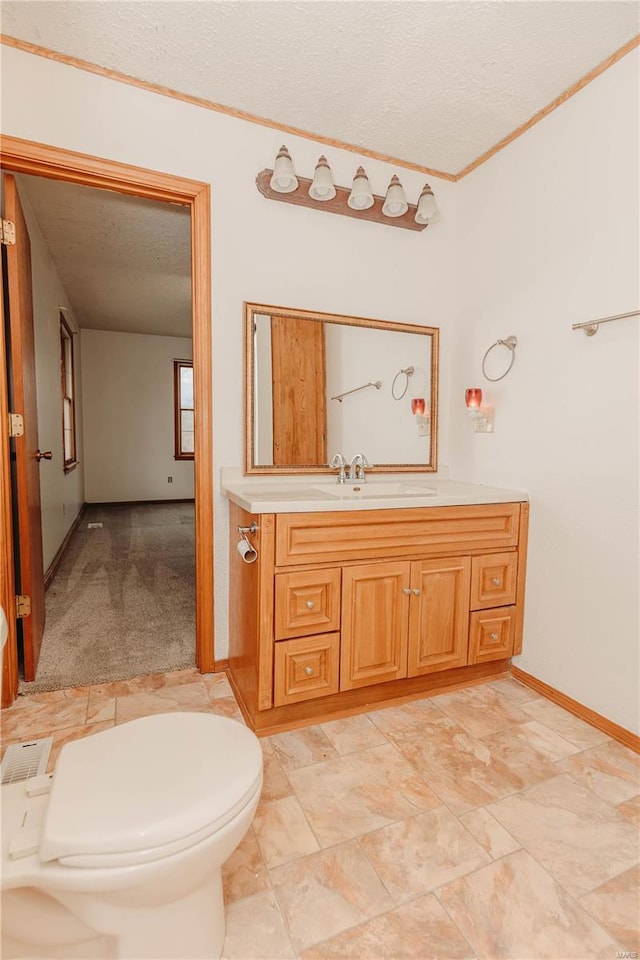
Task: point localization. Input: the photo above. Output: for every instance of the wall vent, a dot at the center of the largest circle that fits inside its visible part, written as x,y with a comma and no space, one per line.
24,760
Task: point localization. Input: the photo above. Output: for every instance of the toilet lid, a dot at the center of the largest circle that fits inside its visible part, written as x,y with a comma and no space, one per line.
147,784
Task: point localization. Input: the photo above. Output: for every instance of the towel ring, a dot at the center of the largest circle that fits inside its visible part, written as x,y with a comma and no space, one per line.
408,372
511,343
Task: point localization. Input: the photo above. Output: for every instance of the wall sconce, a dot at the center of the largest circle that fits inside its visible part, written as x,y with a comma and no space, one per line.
283,178
483,417
418,409
322,187
282,184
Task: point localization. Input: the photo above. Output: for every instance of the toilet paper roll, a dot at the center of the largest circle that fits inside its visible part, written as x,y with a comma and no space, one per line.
247,552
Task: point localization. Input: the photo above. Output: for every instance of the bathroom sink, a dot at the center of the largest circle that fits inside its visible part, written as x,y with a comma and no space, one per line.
374,490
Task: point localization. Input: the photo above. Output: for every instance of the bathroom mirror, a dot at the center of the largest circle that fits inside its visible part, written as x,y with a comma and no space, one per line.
317,384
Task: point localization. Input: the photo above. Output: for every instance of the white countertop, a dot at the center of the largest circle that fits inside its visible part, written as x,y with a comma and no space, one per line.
314,494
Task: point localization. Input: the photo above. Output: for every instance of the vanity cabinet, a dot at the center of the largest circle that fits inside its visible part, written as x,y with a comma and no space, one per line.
344,609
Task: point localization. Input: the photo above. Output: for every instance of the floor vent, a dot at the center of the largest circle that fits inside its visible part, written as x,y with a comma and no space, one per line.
24,760
94,526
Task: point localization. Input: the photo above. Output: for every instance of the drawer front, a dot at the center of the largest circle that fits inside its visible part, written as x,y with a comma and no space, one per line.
306,668
307,603
311,538
493,580
491,634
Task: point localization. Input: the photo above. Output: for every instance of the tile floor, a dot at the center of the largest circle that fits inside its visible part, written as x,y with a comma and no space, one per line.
482,823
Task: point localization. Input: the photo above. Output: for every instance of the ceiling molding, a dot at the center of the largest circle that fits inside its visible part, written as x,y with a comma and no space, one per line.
94,68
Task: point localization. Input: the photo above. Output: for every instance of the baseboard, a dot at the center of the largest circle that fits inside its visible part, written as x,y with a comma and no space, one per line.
55,563
613,730
136,503
220,666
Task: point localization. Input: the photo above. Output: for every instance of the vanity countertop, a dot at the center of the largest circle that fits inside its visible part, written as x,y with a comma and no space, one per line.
380,492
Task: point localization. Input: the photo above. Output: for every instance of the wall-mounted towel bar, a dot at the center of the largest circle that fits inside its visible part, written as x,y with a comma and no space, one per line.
591,326
364,386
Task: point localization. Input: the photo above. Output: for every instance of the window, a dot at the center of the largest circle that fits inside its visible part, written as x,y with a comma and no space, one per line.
68,396
183,403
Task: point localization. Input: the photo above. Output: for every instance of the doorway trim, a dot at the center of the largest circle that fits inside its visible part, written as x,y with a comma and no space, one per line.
42,160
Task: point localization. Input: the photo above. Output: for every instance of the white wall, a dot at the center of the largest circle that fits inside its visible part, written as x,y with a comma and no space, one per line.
263,251
127,399
549,237
61,495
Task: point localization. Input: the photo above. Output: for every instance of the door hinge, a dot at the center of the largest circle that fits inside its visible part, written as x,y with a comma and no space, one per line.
16,425
7,232
23,606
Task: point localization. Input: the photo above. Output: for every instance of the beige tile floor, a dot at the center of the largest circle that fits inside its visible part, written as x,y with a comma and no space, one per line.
482,823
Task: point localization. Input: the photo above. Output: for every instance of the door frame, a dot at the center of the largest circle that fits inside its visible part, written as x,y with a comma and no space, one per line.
43,160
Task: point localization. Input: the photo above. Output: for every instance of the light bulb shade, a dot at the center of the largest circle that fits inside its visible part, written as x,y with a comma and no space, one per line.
361,197
418,406
395,203
322,187
427,210
473,398
283,179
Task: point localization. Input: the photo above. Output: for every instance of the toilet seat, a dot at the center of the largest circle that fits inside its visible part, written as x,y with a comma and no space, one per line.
148,789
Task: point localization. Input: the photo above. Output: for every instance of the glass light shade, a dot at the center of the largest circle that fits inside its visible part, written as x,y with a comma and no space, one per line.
361,197
395,202
427,210
417,406
322,187
283,179
473,398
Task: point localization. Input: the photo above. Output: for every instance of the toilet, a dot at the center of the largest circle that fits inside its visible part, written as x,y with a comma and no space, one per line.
118,853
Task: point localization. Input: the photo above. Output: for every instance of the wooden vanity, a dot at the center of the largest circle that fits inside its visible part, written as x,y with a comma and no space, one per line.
349,608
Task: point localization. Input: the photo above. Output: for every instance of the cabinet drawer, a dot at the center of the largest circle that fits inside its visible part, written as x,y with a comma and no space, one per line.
313,538
491,634
306,603
306,668
493,580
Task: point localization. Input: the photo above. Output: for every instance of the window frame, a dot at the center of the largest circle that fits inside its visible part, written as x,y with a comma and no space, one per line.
179,453
67,334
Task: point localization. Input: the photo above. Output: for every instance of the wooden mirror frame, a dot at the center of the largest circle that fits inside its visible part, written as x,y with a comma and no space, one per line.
251,309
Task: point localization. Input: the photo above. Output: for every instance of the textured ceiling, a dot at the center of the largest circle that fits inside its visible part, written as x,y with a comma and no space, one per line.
125,262
434,82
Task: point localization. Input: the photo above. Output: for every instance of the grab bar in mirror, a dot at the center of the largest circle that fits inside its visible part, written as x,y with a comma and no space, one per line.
364,386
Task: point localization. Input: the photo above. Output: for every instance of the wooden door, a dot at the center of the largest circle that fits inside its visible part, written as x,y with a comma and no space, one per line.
439,615
375,611
299,394
22,388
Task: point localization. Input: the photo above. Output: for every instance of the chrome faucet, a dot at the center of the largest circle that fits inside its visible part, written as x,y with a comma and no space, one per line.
356,468
339,462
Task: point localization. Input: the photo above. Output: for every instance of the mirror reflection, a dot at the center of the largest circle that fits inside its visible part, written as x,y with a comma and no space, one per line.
318,384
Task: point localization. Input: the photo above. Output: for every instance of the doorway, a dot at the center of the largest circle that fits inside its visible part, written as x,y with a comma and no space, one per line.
43,161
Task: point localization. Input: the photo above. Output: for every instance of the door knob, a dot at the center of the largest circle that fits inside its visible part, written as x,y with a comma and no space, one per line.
47,455
310,604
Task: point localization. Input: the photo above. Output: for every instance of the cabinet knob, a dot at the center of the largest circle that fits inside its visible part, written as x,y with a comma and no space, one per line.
310,604
497,581
416,593
494,636
308,671
406,591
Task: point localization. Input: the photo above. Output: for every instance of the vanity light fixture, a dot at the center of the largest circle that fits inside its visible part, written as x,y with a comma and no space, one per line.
427,210
283,179
358,201
361,197
483,417
322,187
395,203
419,410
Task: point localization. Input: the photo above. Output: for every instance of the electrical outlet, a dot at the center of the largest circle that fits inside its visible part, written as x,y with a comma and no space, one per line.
169,479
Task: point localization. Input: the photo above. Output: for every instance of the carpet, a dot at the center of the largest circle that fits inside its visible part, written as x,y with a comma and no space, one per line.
122,602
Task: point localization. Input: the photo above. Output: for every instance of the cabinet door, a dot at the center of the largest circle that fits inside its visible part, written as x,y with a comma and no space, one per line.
375,612
439,617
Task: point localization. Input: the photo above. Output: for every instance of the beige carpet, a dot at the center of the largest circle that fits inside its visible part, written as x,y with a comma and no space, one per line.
122,603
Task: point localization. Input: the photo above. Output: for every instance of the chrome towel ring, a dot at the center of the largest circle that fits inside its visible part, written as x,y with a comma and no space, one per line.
511,343
408,372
